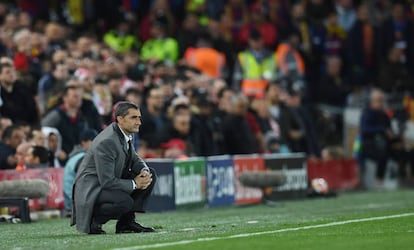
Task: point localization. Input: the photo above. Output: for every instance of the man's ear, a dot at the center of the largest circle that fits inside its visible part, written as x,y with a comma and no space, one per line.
118,118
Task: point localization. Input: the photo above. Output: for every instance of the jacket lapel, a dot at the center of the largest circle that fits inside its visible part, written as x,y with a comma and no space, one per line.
121,137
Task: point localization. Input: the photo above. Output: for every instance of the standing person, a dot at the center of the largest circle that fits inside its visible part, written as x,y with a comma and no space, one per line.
255,67
112,181
377,134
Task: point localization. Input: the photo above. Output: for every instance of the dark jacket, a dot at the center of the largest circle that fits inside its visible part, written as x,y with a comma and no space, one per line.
5,152
238,136
19,105
373,127
69,128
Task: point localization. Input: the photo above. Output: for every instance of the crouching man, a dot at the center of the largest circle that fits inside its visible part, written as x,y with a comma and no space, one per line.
112,181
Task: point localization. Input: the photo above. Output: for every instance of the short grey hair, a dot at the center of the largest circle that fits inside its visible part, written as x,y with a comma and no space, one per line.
121,108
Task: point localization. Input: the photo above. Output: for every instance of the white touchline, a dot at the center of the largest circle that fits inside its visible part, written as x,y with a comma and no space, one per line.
330,224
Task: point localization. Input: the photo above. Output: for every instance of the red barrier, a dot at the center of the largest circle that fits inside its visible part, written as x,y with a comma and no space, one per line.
339,174
54,176
247,195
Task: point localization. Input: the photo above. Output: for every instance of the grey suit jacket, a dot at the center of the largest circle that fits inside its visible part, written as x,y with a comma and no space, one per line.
101,169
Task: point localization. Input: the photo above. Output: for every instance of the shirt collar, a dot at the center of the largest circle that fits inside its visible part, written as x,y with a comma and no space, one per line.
126,137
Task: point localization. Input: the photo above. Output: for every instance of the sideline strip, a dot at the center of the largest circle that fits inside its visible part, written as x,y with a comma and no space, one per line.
331,224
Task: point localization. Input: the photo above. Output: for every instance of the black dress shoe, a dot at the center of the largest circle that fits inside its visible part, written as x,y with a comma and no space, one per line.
132,227
96,229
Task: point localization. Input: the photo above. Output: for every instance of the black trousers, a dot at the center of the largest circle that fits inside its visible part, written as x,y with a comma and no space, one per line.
120,205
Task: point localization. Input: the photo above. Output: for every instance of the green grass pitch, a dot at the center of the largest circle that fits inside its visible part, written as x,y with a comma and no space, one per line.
348,221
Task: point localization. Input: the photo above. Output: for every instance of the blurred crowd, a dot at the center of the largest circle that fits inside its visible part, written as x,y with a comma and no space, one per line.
211,77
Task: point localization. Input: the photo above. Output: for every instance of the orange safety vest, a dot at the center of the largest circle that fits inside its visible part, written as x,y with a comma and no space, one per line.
207,60
282,52
254,87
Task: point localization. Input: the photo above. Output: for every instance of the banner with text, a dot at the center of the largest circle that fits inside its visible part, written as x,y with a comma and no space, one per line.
190,182
247,163
163,196
293,166
220,181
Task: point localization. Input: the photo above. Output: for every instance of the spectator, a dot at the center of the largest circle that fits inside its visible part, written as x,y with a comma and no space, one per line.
363,40
158,8
16,101
21,152
301,24
153,117
25,20
72,165
4,123
203,128
160,47
174,149
393,75
205,58
37,137
255,67
333,87
235,16
121,39
258,21
133,95
335,36
223,46
306,138
37,157
238,135
56,156
346,14
187,36
398,31
12,137
275,119
222,109
179,128
51,86
55,34
376,132
68,118
289,62
91,100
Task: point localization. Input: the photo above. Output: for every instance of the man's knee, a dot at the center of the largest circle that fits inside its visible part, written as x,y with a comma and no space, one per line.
115,202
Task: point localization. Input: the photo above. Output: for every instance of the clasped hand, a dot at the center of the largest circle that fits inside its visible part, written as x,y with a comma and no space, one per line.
143,180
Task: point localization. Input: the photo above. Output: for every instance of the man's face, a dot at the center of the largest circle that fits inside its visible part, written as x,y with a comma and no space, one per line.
16,138
52,142
61,72
131,122
21,152
182,123
155,99
39,138
225,101
73,98
30,159
7,75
